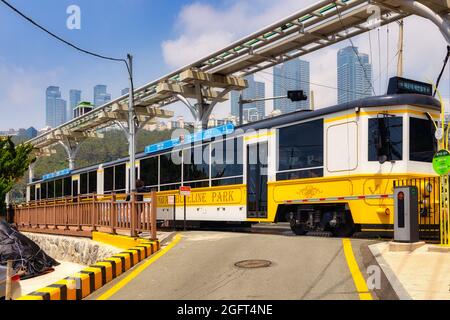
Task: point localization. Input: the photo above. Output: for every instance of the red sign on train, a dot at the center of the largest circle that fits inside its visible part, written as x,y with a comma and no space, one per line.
185,191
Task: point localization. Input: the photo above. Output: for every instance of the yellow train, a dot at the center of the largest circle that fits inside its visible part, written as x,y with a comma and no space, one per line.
331,169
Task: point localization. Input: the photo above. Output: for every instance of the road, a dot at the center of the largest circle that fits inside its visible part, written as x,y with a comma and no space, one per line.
202,266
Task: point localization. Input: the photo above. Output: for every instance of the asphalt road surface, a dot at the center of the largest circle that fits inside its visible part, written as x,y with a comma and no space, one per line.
202,266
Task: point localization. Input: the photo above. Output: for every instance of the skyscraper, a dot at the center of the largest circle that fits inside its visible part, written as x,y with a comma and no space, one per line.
354,75
55,108
100,95
125,91
75,99
291,75
255,90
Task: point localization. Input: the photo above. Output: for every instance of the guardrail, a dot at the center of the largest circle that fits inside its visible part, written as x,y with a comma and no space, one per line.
133,213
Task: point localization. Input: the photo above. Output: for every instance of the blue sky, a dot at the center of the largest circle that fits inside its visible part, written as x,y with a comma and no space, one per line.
109,27
163,35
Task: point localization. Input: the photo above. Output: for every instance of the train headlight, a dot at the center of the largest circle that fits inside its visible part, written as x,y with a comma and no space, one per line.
429,187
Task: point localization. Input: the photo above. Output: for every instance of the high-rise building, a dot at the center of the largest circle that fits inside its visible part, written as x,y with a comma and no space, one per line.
100,95
55,108
125,91
255,90
291,75
354,75
75,99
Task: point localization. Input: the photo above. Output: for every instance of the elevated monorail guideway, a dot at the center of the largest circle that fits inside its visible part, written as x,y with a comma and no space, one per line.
209,80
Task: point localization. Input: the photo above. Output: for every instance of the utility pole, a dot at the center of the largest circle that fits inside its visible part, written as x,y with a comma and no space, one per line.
241,109
400,50
131,127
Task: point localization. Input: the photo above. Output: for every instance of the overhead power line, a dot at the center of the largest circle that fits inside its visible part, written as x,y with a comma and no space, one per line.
63,40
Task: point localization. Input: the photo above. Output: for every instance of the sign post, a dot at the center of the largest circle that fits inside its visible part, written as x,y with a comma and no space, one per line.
185,191
172,201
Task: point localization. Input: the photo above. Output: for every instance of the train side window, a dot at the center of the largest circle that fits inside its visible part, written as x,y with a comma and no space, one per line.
44,190
84,183
120,177
149,171
108,179
58,188
32,192
50,189
196,163
301,146
92,182
422,143
227,161
171,171
67,186
386,138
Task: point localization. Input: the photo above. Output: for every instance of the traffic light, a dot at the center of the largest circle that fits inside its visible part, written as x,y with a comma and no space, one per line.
297,95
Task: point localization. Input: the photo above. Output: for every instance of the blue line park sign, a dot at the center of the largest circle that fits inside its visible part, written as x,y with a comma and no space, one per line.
441,162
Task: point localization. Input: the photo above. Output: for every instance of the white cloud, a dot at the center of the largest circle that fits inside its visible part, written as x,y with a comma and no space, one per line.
21,95
203,29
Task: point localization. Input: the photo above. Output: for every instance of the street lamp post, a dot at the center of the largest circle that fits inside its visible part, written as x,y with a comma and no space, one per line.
131,128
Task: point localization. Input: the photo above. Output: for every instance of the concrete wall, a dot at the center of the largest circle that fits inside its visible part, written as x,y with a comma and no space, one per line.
72,249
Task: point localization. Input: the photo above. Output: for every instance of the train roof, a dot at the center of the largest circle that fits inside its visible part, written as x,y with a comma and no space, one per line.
300,115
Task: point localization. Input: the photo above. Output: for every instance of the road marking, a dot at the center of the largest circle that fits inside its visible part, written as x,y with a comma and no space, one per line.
358,279
138,270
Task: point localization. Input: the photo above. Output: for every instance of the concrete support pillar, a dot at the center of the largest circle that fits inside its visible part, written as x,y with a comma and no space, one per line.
31,172
71,148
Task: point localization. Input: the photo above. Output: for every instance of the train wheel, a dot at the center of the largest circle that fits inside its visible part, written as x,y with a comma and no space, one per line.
298,229
345,229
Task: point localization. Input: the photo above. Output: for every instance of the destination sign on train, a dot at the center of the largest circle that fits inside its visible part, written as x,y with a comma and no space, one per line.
402,85
191,138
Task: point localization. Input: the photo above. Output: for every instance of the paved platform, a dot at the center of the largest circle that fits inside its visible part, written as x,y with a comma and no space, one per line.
419,275
202,266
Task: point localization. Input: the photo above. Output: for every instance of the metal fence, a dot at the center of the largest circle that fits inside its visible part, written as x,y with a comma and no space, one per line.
133,212
429,205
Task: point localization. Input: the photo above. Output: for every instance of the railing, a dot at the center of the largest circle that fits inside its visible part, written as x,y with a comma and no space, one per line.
134,213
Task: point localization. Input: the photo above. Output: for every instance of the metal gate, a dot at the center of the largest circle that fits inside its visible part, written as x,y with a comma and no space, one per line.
429,204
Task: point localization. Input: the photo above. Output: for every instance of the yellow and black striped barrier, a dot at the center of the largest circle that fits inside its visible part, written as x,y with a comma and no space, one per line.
86,281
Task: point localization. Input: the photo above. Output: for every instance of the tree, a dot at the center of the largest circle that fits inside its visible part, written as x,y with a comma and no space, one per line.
14,162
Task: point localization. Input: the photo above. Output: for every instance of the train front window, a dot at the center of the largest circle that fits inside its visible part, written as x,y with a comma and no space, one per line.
386,138
422,143
301,149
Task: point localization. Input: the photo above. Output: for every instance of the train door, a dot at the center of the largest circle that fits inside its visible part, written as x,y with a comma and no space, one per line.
257,166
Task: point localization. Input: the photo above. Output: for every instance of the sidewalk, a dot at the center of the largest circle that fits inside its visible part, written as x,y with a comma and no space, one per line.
419,275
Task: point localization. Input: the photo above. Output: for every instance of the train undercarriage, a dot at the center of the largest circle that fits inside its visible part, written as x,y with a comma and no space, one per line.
335,220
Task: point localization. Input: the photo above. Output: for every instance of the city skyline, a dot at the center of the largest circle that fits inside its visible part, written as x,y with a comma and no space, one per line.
43,60
101,96
251,111
55,107
291,75
354,75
